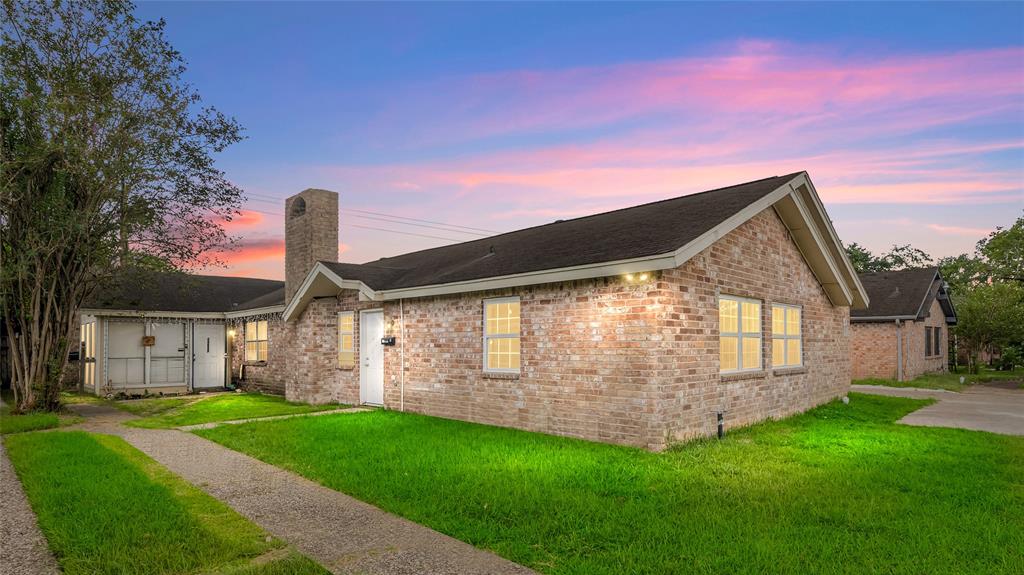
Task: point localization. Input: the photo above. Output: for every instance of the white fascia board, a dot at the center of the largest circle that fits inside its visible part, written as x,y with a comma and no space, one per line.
302,296
683,254
255,311
812,228
927,293
850,273
154,313
588,271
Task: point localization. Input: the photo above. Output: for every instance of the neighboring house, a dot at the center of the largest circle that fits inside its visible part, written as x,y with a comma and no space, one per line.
905,331
637,326
168,333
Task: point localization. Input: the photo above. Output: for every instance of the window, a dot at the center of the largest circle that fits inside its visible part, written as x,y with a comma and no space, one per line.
501,334
256,340
739,329
346,349
927,340
787,341
938,341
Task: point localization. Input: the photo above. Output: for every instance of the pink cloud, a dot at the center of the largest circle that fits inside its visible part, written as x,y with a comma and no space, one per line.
960,231
776,79
244,220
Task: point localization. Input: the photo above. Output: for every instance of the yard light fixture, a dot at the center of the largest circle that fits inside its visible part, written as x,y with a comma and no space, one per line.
231,333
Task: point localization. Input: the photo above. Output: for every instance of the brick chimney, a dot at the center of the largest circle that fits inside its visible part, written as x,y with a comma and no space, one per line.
310,235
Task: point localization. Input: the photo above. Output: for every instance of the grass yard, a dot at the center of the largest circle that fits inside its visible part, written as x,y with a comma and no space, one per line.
32,421
948,381
191,410
105,507
840,489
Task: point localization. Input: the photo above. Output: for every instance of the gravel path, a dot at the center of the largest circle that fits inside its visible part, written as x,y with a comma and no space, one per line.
343,534
23,550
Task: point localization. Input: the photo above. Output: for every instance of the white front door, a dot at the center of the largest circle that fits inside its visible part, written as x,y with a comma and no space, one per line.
208,355
371,357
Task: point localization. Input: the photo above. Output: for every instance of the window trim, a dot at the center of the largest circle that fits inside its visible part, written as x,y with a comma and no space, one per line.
246,341
786,337
740,334
487,338
351,334
929,345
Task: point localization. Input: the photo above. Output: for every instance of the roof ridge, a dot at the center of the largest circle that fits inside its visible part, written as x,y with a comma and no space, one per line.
557,222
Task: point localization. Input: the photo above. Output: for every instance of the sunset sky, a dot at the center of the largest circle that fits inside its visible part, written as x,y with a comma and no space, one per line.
909,117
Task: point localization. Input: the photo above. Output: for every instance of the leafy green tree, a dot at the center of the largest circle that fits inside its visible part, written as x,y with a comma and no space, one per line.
1003,249
991,315
106,165
963,272
897,258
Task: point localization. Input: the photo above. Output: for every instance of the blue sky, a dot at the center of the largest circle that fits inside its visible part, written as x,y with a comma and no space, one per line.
909,117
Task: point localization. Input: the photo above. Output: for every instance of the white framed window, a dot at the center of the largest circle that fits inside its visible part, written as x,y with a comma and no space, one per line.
501,335
256,340
787,336
739,334
346,339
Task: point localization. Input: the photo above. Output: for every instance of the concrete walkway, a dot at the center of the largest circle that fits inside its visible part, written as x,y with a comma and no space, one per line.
979,407
23,549
341,533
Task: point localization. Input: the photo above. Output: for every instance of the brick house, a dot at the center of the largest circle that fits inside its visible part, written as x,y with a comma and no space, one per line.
637,326
904,332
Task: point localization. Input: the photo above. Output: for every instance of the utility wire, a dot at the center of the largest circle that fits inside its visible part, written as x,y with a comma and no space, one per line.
276,200
378,229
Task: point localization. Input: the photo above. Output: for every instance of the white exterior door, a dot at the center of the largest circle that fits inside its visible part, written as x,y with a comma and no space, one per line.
371,357
208,353
167,354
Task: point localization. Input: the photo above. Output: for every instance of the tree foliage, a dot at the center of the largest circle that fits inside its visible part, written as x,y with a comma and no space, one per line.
107,165
990,316
897,258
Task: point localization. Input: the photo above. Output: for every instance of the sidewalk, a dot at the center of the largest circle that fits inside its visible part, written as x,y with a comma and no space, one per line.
341,533
979,407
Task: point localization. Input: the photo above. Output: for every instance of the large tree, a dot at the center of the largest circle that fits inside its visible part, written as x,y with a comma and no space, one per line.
897,258
106,167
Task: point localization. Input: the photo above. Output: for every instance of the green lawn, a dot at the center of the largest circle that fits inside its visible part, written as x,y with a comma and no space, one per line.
193,410
32,421
948,381
841,489
105,507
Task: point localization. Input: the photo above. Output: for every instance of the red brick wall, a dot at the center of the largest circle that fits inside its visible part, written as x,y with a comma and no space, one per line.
601,359
757,260
873,350
874,345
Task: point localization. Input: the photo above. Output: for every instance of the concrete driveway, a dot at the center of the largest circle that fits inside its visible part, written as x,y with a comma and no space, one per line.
979,407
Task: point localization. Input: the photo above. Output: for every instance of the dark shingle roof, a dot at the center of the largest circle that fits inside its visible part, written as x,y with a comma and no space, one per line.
187,293
900,293
645,230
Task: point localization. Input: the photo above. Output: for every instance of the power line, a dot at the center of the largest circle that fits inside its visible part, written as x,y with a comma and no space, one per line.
406,233
275,200
378,229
